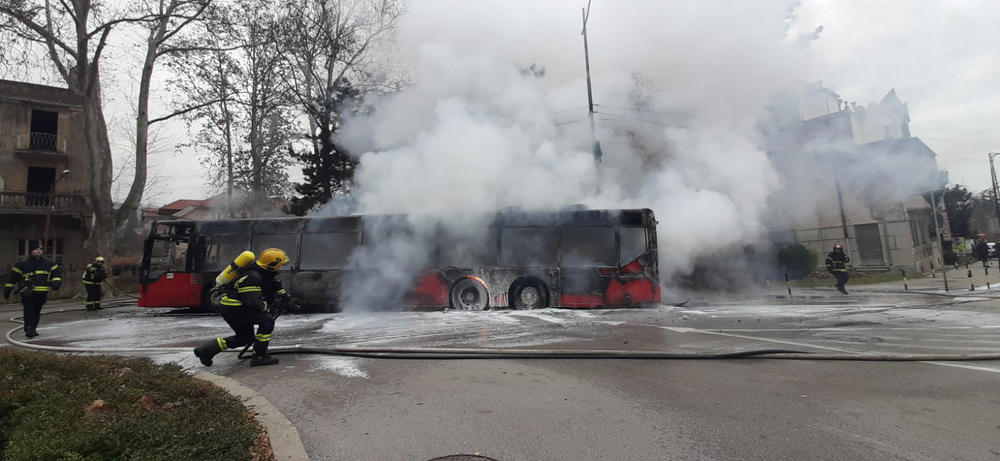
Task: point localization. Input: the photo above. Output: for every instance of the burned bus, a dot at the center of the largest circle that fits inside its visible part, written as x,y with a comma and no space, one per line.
510,259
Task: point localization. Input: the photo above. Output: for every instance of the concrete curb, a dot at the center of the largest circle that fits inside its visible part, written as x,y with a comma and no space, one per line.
284,437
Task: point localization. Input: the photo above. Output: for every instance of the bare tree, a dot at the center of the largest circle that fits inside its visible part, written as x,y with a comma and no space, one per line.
330,51
74,35
239,119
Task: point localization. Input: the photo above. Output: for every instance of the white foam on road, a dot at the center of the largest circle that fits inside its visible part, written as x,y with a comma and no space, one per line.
344,366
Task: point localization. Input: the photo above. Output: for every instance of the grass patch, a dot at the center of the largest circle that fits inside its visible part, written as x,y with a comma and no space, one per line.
856,279
57,407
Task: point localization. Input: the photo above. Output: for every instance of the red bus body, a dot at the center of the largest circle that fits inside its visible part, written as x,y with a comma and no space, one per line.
182,258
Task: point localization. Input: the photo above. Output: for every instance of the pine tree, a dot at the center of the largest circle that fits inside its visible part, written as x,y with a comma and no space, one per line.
328,167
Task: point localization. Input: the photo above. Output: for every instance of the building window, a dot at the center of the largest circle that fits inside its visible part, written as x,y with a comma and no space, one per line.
54,250
44,129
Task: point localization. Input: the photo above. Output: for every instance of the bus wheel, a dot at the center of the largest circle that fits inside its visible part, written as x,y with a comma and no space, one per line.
528,293
469,294
210,300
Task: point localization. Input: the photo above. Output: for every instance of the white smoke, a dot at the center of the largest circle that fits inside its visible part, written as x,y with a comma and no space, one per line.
678,87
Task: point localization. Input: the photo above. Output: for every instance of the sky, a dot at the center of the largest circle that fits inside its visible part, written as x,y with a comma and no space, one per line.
938,56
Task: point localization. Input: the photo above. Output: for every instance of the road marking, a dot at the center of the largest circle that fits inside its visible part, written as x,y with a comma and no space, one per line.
796,343
732,335
850,328
962,365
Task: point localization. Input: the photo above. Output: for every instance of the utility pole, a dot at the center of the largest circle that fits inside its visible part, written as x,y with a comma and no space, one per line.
937,230
590,93
996,189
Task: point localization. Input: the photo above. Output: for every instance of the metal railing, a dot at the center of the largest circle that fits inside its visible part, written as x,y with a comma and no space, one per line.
31,201
42,141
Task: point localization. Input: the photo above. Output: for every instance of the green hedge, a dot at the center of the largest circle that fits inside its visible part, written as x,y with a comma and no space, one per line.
796,260
49,411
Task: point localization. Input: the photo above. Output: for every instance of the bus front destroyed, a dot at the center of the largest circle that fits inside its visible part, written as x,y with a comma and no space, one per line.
518,260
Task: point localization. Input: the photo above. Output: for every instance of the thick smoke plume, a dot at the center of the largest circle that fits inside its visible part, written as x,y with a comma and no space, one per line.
678,87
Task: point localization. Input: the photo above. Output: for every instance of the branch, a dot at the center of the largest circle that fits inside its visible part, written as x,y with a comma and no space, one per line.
187,49
186,110
45,33
187,21
68,9
110,24
97,55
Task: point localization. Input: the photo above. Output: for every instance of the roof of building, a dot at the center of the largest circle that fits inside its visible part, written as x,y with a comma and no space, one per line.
32,92
184,203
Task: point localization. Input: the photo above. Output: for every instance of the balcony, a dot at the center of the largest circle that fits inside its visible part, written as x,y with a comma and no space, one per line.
41,146
42,141
15,202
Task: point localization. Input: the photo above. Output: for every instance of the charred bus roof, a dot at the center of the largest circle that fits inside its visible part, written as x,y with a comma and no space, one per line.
505,218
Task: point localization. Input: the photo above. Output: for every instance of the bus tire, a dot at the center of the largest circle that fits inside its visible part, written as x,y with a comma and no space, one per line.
528,293
208,302
469,294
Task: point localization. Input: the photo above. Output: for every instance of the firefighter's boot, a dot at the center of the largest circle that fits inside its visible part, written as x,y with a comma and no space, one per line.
208,349
260,357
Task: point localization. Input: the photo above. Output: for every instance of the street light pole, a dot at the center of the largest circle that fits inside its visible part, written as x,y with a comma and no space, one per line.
48,213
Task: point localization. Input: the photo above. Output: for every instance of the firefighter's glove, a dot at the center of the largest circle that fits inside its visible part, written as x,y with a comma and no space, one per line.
292,306
55,285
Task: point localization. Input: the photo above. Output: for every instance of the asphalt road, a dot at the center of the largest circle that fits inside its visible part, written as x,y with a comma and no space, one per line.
384,409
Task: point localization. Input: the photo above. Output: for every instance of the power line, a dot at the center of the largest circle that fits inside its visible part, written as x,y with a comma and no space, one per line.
570,109
955,129
676,112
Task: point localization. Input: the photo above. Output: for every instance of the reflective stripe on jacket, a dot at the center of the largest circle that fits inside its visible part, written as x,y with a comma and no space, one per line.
837,262
40,275
94,274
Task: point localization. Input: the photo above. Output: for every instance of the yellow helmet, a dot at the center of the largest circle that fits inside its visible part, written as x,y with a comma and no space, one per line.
272,259
99,259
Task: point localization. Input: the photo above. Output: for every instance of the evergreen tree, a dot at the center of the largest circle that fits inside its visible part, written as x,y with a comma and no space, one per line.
960,204
328,167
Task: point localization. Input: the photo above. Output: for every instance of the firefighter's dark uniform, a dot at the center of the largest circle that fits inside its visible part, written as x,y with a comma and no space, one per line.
248,301
33,279
836,263
93,277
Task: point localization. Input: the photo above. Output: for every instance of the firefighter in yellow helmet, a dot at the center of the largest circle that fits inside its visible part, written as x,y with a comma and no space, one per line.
250,300
93,277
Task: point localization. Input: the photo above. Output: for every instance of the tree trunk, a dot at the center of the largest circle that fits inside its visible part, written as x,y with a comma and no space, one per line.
101,238
132,200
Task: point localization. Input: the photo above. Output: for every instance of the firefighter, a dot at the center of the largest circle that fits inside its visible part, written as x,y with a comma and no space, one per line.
251,300
93,277
836,263
33,278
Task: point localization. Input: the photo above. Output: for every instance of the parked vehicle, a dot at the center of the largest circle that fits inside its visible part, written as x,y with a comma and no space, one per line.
522,260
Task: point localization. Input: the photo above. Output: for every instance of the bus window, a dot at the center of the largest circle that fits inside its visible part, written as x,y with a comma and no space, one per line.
479,250
633,244
588,246
167,256
159,258
287,242
220,250
328,250
529,247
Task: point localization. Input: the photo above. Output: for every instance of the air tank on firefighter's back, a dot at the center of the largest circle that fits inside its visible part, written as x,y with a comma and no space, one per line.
229,273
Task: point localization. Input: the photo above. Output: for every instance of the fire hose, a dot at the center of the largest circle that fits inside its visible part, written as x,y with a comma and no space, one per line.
453,353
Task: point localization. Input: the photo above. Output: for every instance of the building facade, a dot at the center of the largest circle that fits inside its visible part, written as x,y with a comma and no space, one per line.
44,175
854,175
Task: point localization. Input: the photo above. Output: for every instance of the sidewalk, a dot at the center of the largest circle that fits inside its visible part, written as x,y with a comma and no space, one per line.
958,281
